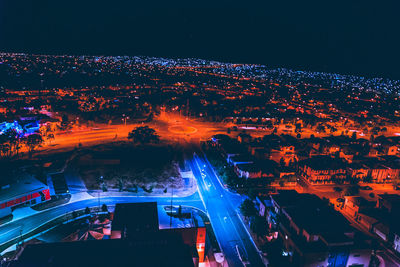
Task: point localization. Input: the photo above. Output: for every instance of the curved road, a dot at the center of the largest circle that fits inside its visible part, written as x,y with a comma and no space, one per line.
14,229
219,204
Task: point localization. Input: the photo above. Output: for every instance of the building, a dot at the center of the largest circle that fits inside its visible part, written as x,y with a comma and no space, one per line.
240,159
132,218
248,170
135,219
382,169
323,169
244,138
27,191
389,203
263,203
353,205
314,234
396,240
357,171
145,249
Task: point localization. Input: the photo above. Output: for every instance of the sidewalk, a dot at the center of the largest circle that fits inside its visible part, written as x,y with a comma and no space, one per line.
24,212
254,237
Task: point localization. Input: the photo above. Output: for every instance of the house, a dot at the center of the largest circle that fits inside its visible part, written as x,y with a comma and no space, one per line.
261,153
373,152
263,204
367,220
253,146
381,173
382,229
282,171
390,150
353,205
220,138
358,171
383,169
230,148
396,240
248,170
240,159
268,168
389,203
244,138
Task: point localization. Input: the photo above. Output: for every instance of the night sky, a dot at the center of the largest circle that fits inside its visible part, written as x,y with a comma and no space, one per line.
344,36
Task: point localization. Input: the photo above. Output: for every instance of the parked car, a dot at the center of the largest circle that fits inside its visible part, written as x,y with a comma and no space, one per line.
366,187
340,200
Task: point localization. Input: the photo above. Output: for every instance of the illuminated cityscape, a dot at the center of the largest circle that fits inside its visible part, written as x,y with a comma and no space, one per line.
269,166
199,134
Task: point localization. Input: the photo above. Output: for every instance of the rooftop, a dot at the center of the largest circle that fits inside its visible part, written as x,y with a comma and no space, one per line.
136,217
26,185
324,163
149,249
312,214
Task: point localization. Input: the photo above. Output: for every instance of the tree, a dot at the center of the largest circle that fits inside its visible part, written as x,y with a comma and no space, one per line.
33,141
120,184
352,190
150,117
321,128
4,145
252,193
50,137
64,122
337,189
104,208
87,210
143,135
354,136
259,226
13,140
248,209
74,214
180,211
298,127
372,138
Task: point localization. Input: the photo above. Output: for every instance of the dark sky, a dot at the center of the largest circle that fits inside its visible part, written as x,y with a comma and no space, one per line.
344,36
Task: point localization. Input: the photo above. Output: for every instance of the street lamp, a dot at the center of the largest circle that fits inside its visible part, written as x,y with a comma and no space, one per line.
170,216
124,118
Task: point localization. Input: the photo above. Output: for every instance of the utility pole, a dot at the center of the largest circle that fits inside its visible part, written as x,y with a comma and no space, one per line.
187,109
41,89
20,236
170,217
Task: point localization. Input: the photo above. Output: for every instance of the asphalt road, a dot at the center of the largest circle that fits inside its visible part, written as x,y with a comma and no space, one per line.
221,206
14,229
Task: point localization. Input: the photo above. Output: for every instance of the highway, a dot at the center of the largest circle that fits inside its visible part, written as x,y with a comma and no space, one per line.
14,229
221,206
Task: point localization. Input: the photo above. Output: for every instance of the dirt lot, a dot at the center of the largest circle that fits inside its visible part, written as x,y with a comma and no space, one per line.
125,167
